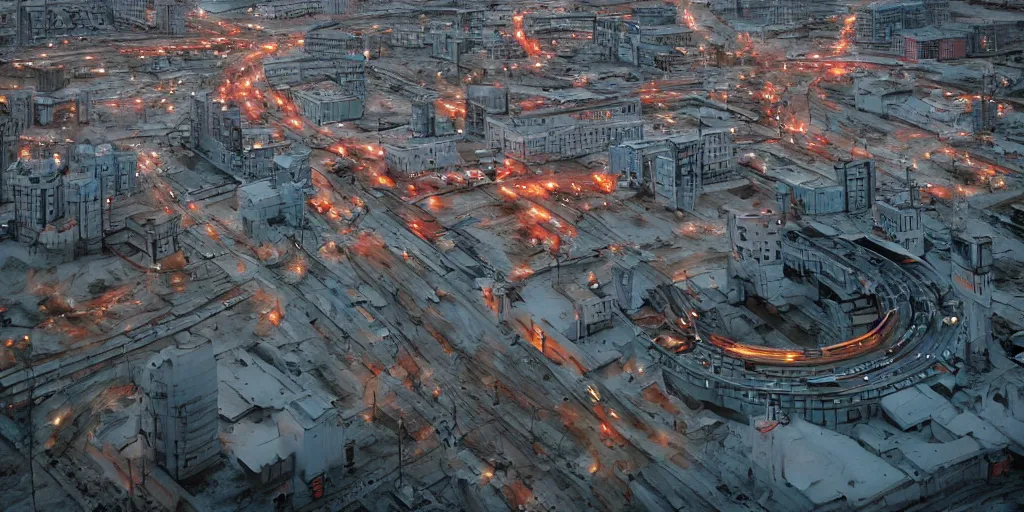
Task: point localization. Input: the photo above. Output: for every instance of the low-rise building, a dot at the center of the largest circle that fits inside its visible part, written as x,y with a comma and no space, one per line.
129,14
294,447
593,312
116,169
217,135
154,234
565,132
327,102
9,23
627,40
36,187
15,117
771,12
284,9
300,67
337,6
807,193
332,43
408,36
879,22
425,122
51,77
85,205
677,169
293,167
649,14
930,43
483,101
851,190
987,35
263,204
416,156
900,220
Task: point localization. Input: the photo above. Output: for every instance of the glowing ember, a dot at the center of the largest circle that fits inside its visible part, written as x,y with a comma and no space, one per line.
298,266
508,193
604,182
520,273
689,20
845,36
385,181
490,299
212,233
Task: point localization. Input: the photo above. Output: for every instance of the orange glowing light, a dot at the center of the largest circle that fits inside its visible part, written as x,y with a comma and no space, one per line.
385,181
520,273
530,46
605,183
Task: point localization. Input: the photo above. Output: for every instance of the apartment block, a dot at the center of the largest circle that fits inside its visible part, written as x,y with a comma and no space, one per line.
566,132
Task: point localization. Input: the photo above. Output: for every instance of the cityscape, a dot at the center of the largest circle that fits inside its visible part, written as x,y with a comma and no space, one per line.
484,256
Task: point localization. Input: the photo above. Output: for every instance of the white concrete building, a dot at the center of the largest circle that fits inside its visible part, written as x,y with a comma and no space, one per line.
293,167
326,102
262,204
592,312
294,448
155,234
901,222
417,156
283,9
332,43
179,422
565,132
117,170
299,68
756,265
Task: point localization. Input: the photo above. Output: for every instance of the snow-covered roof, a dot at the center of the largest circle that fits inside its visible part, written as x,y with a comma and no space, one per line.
827,466
912,406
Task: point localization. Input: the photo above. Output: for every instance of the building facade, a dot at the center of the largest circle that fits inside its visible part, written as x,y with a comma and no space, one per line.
284,9
677,169
129,14
879,23
901,222
417,156
262,203
930,43
972,273
155,235
483,101
326,102
116,170
303,68
180,423
36,187
756,265
170,16
565,132
332,43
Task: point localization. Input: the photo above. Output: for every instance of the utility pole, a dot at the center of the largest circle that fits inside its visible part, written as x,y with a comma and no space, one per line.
400,475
